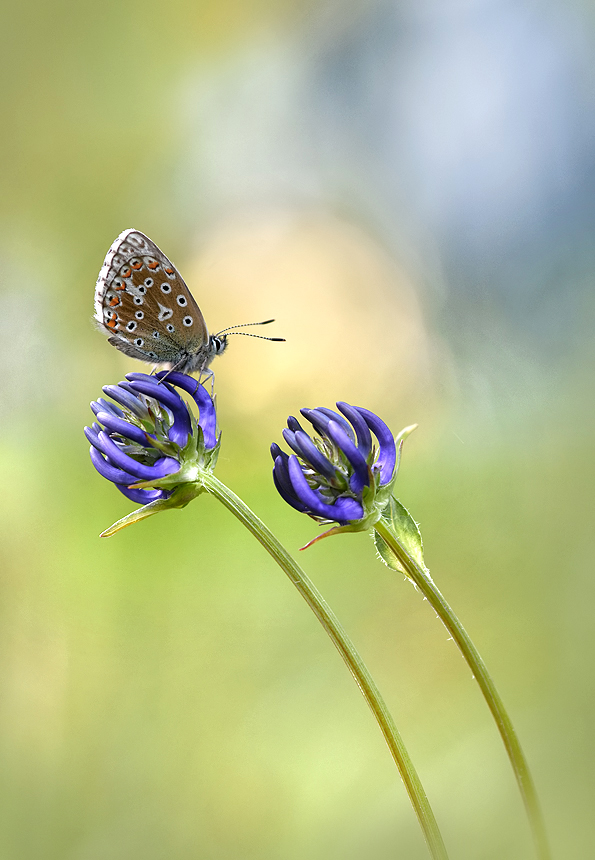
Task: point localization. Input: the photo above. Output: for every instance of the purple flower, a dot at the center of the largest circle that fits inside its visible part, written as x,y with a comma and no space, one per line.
339,474
146,434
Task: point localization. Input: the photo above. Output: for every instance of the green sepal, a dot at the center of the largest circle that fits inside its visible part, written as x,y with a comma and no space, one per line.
397,518
399,439
180,497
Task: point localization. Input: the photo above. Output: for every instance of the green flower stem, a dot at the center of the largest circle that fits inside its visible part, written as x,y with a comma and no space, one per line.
349,654
422,579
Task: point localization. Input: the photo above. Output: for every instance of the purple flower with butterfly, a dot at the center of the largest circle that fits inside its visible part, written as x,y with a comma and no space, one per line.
144,306
338,474
147,441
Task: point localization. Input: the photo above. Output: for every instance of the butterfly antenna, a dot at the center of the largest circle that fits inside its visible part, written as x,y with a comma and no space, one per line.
243,325
259,336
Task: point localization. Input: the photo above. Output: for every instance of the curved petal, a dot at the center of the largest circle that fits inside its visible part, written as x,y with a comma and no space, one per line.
284,485
341,511
206,408
125,398
334,416
348,510
294,424
313,456
317,418
276,451
142,497
106,470
362,431
289,437
122,427
103,405
92,435
387,455
162,467
180,429
360,477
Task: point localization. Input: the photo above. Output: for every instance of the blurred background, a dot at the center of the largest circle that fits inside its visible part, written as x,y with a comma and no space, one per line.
408,188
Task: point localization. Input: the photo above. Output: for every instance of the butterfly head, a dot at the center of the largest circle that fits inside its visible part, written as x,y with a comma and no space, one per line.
217,344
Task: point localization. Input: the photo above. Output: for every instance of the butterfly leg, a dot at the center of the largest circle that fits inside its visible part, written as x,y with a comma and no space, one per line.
205,375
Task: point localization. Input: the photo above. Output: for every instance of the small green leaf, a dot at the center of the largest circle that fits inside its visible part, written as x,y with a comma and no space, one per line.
386,553
181,496
398,519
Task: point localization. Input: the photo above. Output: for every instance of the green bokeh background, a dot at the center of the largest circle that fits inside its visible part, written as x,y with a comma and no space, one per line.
164,693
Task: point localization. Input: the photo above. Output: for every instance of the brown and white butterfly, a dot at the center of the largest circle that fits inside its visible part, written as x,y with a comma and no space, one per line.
148,312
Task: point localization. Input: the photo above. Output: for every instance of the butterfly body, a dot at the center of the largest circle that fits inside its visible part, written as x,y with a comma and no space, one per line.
148,312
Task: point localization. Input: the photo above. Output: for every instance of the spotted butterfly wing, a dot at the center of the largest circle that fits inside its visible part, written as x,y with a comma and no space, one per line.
146,309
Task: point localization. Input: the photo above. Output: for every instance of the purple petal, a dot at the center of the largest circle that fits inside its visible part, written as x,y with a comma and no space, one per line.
342,511
284,485
123,428
360,477
92,434
162,467
206,408
301,444
347,510
106,470
289,437
103,405
318,419
334,416
387,455
362,431
180,429
142,497
127,399
140,377
310,453
276,451
294,424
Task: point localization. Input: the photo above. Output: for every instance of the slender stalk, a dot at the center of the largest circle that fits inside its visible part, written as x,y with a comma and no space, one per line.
349,654
422,579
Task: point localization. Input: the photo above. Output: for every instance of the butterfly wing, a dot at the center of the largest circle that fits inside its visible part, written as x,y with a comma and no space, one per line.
144,306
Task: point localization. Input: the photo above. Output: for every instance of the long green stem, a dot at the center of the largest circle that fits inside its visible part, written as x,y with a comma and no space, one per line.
422,579
349,654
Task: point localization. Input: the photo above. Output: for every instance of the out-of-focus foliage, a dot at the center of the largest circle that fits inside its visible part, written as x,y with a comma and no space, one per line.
164,692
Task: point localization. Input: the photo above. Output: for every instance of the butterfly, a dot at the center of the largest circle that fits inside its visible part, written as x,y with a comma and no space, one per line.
148,312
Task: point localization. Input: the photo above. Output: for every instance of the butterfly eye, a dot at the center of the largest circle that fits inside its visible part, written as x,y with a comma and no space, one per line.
131,325
181,300
187,320
170,327
139,341
139,315
148,282
165,288
137,300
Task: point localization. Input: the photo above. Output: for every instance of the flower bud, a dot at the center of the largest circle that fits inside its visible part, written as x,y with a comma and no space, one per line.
147,441
338,474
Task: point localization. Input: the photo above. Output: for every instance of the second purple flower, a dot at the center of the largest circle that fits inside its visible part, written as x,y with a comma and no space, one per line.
338,474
